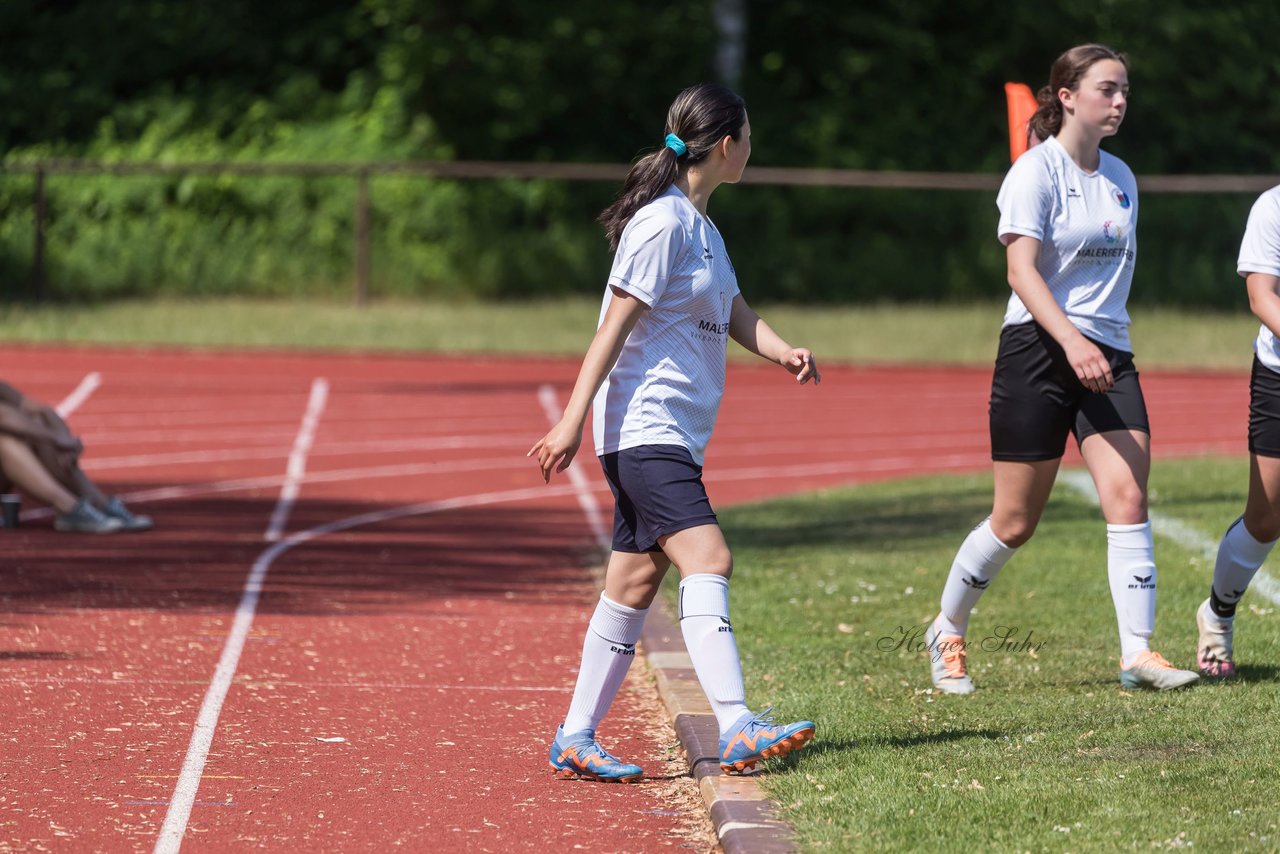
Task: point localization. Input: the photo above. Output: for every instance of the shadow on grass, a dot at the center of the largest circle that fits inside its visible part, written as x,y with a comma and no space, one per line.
912,514
838,746
1254,673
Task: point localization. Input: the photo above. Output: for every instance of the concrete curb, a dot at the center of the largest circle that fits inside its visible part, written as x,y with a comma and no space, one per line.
744,817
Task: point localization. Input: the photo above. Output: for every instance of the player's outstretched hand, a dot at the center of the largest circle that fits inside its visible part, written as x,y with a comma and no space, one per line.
556,450
800,362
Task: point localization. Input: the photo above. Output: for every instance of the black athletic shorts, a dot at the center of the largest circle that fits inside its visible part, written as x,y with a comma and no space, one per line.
657,490
1264,411
1036,398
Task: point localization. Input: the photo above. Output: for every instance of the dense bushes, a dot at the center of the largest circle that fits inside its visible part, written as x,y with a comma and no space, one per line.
913,87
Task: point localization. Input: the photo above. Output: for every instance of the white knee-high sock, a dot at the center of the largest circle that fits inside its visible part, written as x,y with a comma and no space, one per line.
1239,557
708,635
1131,569
607,652
979,561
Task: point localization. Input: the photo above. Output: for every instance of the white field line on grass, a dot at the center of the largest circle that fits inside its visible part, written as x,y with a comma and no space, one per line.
587,501
1177,531
175,823
184,792
297,468
76,399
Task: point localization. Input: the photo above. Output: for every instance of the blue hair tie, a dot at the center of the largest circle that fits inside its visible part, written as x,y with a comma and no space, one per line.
676,144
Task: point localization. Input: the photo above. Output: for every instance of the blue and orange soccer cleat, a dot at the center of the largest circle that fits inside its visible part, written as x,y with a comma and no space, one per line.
755,737
578,754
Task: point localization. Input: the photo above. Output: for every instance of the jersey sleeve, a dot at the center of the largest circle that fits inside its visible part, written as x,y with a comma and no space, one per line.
650,247
1260,249
1025,200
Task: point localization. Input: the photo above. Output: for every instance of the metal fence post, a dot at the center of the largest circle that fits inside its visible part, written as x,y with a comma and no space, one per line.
363,260
37,263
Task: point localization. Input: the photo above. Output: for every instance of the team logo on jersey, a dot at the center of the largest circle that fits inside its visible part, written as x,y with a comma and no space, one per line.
1121,199
1112,231
707,256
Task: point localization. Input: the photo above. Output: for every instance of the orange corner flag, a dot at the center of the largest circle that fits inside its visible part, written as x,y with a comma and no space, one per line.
1022,106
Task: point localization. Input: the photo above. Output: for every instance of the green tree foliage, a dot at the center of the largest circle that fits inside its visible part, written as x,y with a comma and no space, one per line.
912,85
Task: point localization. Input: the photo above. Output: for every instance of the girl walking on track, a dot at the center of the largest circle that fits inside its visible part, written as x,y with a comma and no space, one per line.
1249,539
1067,216
654,375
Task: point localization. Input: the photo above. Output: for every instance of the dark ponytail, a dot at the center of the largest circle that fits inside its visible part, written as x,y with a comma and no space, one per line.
1066,73
700,116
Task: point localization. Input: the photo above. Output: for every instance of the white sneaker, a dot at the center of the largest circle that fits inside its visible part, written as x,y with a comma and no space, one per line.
947,660
1150,670
1213,650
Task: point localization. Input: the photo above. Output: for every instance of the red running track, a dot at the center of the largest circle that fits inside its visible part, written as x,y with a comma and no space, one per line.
425,604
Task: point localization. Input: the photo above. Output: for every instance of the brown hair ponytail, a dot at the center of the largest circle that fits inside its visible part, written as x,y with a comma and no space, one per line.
700,117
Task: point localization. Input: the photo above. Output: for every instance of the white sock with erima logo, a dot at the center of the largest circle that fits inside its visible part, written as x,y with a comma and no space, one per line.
708,635
980,558
1131,570
607,653
1239,558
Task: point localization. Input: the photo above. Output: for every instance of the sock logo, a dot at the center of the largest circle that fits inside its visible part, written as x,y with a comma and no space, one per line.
975,582
623,648
727,627
1144,583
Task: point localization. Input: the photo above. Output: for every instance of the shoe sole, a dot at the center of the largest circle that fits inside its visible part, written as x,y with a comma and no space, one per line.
795,741
570,774
1138,685
955,690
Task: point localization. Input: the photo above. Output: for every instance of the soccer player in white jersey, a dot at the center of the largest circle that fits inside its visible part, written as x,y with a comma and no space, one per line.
654,374
1249,539
1065,365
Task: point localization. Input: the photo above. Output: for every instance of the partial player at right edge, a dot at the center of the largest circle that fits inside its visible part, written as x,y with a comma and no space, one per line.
1249,539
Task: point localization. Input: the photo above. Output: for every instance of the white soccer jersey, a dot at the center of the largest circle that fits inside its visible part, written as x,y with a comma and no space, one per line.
667,384
1085,222
1260,253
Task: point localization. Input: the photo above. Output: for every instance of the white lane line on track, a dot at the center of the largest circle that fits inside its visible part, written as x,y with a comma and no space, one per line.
505,440
248,484
949,462
184,792
76,399
297,468
267,683
184,795
586,500
1175,529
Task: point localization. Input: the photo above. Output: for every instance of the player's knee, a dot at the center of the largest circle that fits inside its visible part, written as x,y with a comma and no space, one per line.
718,562
1013,531
1127,505
1263,523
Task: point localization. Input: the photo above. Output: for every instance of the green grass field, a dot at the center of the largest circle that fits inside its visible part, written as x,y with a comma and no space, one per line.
941,334
1050,753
